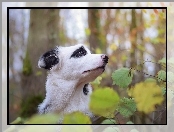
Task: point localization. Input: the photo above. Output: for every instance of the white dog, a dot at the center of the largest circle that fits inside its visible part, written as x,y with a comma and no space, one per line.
70,71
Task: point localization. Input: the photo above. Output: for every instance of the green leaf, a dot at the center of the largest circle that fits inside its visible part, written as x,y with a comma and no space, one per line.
129,122
163,60
163,90
109,121
43,119
111,129
122,77
76,118
161,76
126,107
104,102
18,120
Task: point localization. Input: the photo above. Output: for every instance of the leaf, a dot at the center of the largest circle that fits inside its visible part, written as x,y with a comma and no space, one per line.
87,31
162,15
152,16
109,121
76,118
98,51
144,10
97,80
111,129
163,60
163,90
129,122
122,77
76,128
126,107
104,102
124,57
150,80
113,46
141,47
147,95
156,11
147,25
161,76
43,119
18,120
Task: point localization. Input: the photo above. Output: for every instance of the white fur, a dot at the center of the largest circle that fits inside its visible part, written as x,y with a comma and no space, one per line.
65,82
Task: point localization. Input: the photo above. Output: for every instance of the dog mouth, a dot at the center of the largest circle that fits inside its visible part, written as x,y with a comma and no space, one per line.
100,67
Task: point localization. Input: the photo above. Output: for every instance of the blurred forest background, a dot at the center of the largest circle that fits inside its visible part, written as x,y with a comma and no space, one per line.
128,36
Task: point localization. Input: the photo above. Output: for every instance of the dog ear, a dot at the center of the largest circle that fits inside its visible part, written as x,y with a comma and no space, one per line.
48,59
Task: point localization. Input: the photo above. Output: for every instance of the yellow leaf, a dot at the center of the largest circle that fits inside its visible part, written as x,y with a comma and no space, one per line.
161,15
113,46
43,119
104,102
87,31
144,11
124,57
141,47
76,128
152,16
147,95
97,80
98,51
76,118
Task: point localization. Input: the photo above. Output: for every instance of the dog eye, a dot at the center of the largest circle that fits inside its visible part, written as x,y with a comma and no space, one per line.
82,52
79,52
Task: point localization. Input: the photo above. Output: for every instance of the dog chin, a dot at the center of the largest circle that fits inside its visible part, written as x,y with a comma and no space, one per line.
98,69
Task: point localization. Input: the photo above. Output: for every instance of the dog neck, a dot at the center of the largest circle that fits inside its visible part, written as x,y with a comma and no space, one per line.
58,93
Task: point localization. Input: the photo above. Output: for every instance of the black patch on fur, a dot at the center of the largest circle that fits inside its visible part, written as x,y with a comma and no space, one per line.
46,107
85,89
50,59
79,52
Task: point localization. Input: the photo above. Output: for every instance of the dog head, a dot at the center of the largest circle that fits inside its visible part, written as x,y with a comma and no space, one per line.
74,63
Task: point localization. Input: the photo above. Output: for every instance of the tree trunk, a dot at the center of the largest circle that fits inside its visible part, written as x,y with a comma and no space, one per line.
43,35
95,38
133,33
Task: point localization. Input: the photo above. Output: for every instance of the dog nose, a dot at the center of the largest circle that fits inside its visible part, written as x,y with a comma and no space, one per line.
105,58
